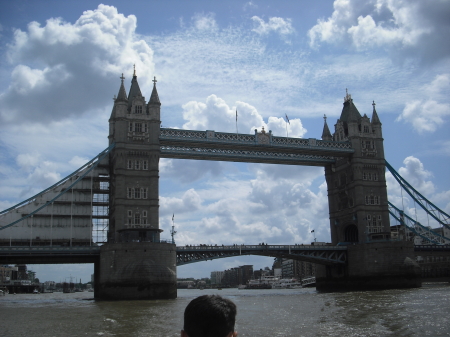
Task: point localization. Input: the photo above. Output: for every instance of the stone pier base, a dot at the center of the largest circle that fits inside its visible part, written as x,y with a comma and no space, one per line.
136,270
371,266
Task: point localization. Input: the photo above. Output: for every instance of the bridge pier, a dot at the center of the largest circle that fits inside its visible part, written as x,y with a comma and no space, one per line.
136,270
372,266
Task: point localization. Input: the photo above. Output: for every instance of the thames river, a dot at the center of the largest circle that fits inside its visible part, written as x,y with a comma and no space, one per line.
276,312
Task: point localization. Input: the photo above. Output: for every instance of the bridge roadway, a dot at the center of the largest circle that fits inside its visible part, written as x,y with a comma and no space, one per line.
320,254
185,254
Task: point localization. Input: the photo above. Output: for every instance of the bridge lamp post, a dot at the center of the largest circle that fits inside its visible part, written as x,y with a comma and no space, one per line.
173,231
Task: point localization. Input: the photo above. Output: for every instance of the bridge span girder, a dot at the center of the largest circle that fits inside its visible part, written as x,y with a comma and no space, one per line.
325,255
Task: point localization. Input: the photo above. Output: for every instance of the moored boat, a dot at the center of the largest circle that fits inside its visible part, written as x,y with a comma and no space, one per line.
287,284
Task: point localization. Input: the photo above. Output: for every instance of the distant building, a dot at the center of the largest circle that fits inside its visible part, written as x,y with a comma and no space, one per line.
49,285
216,278
297,269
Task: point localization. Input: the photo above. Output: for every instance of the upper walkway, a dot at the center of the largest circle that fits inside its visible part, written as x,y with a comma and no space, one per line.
258,148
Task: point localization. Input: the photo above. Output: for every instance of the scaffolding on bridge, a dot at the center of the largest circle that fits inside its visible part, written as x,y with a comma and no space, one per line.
73,211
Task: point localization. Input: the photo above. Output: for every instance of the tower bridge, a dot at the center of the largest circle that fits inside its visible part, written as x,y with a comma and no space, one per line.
107,212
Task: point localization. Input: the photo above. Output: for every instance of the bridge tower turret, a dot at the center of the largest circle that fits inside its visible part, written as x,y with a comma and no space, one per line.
135,264
357,192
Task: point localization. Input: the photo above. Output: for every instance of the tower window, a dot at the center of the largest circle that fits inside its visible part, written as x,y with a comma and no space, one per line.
372,199
130,193
137,193
137,164
130,164
144,193
138,127
145,127
366,129
130,127
145,165
138,109
137,219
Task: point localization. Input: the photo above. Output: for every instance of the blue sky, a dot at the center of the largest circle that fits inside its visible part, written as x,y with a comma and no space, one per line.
60,64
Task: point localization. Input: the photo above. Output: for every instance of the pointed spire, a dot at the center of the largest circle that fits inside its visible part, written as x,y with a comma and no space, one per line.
326,134
134,89
349,112
375,119
122,96
154,98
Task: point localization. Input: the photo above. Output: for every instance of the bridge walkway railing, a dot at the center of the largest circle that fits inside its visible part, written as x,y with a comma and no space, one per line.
321,254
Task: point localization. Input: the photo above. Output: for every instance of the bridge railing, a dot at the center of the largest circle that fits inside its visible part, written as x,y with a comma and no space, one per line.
259,247
249,139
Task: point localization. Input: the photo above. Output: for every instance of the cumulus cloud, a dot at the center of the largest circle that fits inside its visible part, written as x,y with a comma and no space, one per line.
216,114
428,112
409,28
190,201
415,173
274,24
276,203
70,68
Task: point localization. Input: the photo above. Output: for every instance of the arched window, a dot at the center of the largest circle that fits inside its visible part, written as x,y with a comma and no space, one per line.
351,233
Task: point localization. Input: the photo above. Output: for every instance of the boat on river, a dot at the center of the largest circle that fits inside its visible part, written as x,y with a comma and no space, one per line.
309,281
290,283
264,282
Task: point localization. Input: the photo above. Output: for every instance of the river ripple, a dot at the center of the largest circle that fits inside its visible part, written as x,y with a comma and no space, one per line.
277,312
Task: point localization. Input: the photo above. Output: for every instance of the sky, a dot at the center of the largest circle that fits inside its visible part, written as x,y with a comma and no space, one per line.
60,64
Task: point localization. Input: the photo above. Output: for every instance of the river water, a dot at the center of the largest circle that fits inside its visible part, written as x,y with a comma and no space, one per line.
276,312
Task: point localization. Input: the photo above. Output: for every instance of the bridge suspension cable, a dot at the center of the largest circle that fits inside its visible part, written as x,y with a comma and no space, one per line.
414,226
431,209
88,167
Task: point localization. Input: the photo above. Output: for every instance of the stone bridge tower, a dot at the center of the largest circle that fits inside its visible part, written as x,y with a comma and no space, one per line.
357,194
359,213
134,166
135,264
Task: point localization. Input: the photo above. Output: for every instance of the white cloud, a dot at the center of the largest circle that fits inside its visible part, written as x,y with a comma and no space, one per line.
401,26
275,24
249,5
69,68
26,160
204,22
216,114
77,161
189,202
427,113
415,173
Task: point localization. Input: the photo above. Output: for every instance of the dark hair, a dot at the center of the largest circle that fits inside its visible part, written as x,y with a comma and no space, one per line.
209,316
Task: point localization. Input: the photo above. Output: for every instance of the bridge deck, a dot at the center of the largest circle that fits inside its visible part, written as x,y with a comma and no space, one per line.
327,255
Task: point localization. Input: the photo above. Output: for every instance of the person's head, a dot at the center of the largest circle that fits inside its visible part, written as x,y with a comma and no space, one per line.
209,316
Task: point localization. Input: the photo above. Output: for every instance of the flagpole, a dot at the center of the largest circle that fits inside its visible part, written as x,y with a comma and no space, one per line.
237,131
287,121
